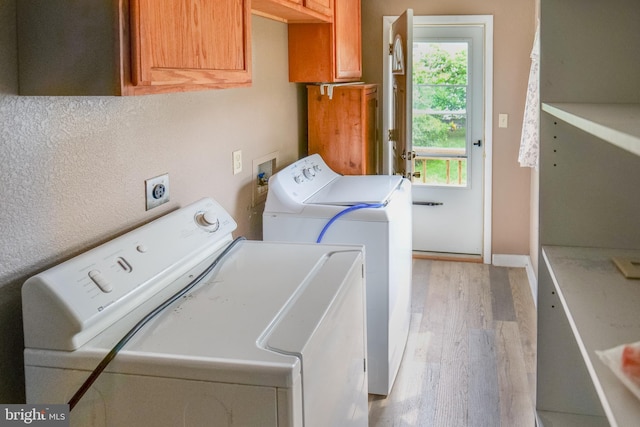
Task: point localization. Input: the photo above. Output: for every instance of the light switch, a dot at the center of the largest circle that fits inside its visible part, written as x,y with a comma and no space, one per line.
503,120
237,162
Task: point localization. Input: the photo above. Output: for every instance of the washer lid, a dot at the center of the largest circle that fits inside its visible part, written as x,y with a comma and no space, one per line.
355,189
213,332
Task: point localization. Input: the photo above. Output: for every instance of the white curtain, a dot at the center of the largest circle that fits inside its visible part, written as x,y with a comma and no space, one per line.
530,139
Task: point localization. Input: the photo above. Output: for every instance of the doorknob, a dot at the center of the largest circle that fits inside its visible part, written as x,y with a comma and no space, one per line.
408,155
478,144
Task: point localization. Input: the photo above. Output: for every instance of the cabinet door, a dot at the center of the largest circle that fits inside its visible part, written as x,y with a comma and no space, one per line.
348,40
343,129
327,52
190,42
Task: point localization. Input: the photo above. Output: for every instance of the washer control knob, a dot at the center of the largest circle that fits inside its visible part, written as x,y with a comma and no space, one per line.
208,220
309,173
316,168
297,179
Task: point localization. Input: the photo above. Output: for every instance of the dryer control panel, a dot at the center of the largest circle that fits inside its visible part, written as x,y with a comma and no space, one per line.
69,304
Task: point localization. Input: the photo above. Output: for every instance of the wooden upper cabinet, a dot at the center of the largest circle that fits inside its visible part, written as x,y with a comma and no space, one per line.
323,6
328,52
294,10
190,42
132,47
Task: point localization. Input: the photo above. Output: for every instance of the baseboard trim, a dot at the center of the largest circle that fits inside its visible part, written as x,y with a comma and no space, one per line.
521,261
441,256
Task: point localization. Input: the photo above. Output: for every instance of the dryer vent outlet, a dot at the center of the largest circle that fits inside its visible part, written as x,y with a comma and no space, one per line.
157,191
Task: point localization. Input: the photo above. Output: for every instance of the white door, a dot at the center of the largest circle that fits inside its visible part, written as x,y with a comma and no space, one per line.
450,121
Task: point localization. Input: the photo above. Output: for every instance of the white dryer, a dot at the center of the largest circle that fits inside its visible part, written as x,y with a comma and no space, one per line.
308,202
247,334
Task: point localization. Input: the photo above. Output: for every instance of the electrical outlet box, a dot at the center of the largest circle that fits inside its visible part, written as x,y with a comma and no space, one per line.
237,162
157,191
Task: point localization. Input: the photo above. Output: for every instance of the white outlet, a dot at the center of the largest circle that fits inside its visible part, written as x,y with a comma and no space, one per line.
157,191
237,162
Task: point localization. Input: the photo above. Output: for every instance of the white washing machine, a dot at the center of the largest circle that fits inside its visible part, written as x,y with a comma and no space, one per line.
244,334
308,202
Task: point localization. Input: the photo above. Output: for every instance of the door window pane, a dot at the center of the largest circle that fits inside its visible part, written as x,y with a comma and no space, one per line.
440,84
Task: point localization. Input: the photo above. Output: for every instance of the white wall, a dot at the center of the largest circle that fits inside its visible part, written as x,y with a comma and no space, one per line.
73,168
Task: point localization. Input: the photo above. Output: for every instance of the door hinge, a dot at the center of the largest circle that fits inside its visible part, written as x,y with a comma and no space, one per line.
365,364
392,134
390,48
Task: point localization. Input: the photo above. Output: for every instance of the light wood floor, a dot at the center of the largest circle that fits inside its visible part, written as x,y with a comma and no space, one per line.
470,356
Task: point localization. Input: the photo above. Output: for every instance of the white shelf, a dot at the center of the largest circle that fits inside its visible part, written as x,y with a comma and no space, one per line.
559,419
603,309
618,124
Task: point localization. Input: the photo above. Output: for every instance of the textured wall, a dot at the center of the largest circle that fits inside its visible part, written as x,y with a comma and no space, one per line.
514,27
73,168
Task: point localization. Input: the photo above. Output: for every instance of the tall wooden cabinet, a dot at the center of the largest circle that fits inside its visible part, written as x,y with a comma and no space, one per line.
132,47
589,208
328,52
343,126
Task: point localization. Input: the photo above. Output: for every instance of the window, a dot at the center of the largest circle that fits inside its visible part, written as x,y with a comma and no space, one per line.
440,87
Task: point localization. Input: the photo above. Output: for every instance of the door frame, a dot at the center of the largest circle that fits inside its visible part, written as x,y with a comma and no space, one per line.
486,21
